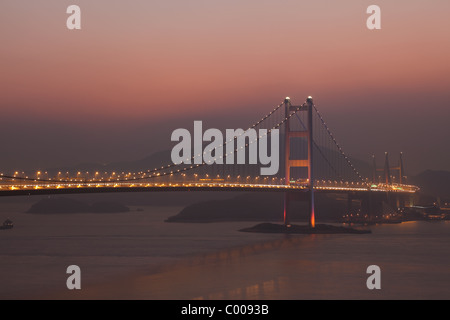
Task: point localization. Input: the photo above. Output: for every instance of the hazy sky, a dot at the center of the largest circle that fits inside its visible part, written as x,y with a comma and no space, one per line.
115,89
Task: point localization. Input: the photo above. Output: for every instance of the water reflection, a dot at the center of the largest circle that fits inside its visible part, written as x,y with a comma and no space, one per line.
413,258
227,274
257,291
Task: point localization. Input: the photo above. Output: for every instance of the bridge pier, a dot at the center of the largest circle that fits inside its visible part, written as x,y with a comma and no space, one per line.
289,198
409,200
372,202
349,202
286,209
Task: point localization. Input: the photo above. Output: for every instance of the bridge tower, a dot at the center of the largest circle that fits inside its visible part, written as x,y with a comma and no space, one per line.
374,171
387,178
387,172
290,163
400,166
400,170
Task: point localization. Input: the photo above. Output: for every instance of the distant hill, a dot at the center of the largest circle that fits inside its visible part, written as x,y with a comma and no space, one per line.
150,162
324,168
261,206
431,182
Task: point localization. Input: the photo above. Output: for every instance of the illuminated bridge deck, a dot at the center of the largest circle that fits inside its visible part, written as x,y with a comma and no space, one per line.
73,188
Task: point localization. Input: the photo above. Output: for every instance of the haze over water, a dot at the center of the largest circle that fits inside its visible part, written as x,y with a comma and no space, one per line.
136,255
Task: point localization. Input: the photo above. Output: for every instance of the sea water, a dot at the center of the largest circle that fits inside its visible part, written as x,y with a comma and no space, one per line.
136,255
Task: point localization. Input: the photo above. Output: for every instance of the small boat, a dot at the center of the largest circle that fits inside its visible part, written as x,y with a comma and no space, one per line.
8,224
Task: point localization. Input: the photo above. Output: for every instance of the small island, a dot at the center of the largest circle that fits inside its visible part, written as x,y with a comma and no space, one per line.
302,229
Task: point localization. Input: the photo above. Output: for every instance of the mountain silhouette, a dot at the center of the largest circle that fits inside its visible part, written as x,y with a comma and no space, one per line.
433,182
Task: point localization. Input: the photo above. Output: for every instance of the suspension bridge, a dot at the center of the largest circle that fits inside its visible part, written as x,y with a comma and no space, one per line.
312,162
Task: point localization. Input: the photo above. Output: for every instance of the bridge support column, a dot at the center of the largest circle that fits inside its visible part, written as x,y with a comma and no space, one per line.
410,201
312,218
349,203
288,134
286,209
397,202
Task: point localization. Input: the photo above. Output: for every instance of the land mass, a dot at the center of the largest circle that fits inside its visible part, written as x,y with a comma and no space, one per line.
257,206
302,229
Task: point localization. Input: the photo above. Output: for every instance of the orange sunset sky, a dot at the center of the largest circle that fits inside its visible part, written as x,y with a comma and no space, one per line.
137,69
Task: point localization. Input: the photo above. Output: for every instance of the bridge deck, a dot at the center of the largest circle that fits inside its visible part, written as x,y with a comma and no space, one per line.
74,188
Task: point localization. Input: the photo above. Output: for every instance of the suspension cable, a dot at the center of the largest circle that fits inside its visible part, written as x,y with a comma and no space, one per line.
338,146
167,166
320,151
